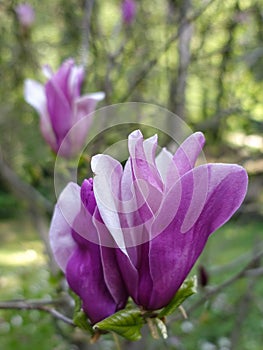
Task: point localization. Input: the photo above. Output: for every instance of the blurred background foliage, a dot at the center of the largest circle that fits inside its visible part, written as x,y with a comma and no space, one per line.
200,59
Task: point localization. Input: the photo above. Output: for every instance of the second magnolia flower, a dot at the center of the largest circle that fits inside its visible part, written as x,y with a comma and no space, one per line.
138,230
61,107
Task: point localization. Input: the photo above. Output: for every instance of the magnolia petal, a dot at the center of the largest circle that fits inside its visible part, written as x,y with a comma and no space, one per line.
90,268
70,194
187,154
86,105
112,276
226,188
96,96
75,212
47,132
116,214
127,192
59,110
81,120
75,81
163,163
92,271
185,157
147,182
129,270
130,201
61,79
146,283
35,95
87,195
85,277
108,173
61,241
47,71
59,101
142,154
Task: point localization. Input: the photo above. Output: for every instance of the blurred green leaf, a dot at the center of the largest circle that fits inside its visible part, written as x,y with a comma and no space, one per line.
187,289
80,319
127,323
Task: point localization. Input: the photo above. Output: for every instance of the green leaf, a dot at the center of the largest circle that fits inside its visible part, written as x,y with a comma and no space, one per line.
187,289
127,323
77,301
80,319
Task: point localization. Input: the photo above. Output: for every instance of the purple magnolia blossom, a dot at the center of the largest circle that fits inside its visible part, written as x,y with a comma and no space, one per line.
91,269
154,216
161,211
25,14
128,11
61,107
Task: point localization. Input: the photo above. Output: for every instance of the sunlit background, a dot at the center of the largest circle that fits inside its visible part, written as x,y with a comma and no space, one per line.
202,60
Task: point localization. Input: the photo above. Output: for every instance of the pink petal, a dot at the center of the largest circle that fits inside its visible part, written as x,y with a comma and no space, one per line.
35,95
47,71
82,119
86,105
226,188
75,81
108,173
85,277
61,79
147,182
75,213
185,157
59,110
163,163
61,241
142,154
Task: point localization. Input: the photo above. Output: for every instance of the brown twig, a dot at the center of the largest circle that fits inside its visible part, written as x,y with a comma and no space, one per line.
41,305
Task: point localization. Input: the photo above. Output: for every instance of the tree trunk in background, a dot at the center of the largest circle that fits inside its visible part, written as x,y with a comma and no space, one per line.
226,56
179,76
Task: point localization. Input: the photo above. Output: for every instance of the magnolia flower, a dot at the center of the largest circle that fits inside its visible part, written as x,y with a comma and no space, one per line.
168,206
91,269
128,11
61,107
25,14
154,215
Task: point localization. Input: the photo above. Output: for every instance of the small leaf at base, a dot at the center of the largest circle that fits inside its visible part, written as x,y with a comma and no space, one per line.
187,289
80,320
127,323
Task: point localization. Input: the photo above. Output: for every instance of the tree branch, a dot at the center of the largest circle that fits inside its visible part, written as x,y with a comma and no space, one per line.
41,305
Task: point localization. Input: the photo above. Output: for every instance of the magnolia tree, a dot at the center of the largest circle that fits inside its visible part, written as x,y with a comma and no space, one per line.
126,236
